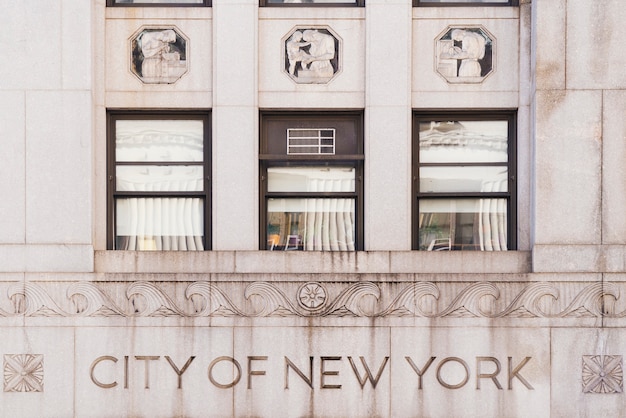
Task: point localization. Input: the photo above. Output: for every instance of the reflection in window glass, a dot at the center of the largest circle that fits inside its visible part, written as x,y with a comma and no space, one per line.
159,140
161,224
158,190
463,224
311,224
465,1
465,189
159,1
309,1
310,179
463,179
463,141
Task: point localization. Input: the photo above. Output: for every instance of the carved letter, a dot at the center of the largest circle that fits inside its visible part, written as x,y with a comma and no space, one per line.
179,372
492,376
458,385
254,372
147,359
515,373
125,372
419,372
235,380
309,380
324,372
93,366
368,373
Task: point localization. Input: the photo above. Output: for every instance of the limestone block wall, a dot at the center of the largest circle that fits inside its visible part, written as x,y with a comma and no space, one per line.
382,332
579,132
46,147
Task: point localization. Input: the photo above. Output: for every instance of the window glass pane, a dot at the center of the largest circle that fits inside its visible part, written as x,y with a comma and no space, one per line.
159,1
310,1
159,140
310,179
464,1
159,178
463,224
463,179
311,224
463,141
159,224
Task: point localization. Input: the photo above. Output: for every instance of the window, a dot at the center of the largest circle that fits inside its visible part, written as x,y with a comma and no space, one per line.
464,181
465,2
159,195
312,3
158,3
311,181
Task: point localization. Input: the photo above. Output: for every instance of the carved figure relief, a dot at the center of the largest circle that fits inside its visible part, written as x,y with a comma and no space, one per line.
159,56
311,55
603,374
23,373
465,55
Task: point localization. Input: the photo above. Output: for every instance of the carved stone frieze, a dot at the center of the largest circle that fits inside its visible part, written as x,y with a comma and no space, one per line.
554,300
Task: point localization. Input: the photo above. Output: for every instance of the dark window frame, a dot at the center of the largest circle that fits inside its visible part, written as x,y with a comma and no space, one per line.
509,115
268,160
509,3
265,3
112,3
114,115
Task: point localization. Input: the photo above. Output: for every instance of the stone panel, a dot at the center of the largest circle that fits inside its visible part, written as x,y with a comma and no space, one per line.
32,45
276,88
76,67
58,167
505,75
235,181
38,369
12,168
577,386
614,168
568,167
126,372
388,160
593,37
472,372
548,26
120,79
337,354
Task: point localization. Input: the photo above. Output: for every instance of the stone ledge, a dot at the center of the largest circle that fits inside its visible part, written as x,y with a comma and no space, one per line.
361,262
579,258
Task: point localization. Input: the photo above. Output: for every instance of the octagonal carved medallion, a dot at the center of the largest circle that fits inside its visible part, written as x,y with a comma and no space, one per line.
465,54
312,55
159,55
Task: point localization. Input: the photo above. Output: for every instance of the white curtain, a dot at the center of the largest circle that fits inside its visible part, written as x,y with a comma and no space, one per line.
330,222
492,222
160,223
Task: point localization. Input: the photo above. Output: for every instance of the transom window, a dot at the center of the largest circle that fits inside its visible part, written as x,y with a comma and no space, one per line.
464,181
465,2
158,3
312,3
158,188
311,169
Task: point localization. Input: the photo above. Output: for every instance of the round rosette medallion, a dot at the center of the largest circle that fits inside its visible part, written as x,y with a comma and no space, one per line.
312,296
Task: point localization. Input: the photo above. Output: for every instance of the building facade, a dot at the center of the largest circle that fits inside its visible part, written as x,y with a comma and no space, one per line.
350,208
